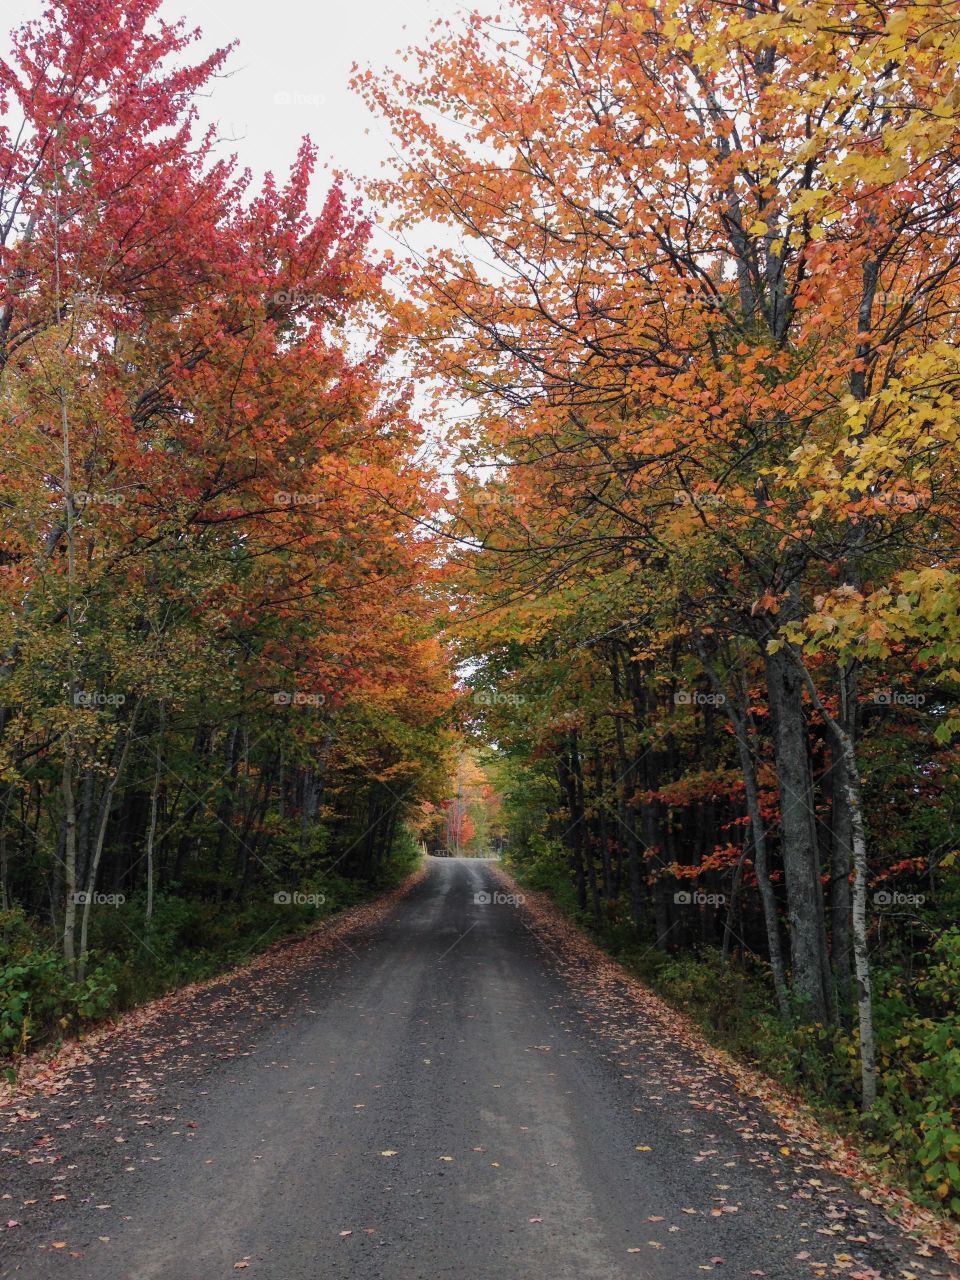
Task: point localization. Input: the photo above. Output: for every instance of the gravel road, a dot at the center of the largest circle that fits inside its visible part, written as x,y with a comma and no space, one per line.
429,1100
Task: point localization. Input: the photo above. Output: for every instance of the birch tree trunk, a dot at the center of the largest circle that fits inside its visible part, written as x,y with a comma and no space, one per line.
104,816
67,779
853,795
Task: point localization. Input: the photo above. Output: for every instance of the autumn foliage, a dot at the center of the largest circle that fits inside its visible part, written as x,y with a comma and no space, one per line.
221,681
697,281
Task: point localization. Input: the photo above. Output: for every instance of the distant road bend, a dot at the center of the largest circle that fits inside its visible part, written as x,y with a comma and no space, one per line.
434,1099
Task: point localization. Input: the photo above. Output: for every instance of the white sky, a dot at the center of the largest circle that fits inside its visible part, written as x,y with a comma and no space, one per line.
290,73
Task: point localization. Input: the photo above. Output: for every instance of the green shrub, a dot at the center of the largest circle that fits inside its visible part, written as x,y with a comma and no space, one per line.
544,864
917,1121
39,999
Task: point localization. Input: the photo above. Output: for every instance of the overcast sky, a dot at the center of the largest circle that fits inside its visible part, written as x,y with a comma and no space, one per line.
290,72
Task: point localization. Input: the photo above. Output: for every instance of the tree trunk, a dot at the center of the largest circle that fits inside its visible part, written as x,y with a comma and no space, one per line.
152,831
573,831
798,836
581,832
69,855
861,955
103,821
625,811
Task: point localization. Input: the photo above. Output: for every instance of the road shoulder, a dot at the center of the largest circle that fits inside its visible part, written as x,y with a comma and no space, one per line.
648,1039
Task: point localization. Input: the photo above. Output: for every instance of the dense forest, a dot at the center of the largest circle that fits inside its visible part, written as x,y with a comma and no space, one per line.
223,698
699,283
